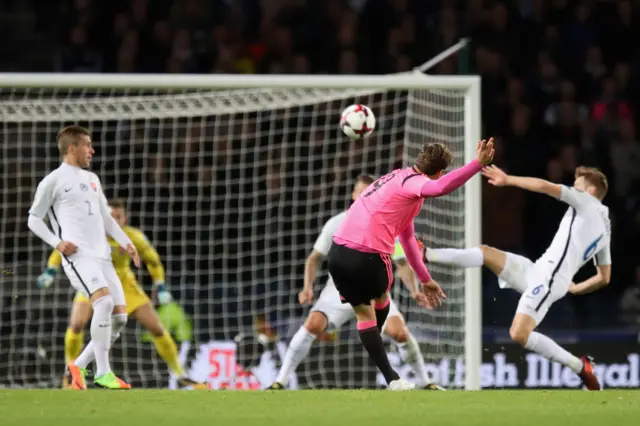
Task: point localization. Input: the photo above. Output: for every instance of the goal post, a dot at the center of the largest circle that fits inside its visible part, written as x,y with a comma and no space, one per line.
401,81
189,152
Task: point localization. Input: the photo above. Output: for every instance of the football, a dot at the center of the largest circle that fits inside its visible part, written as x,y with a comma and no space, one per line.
357,121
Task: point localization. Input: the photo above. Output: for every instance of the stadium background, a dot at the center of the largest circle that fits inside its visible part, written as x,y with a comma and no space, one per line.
559,88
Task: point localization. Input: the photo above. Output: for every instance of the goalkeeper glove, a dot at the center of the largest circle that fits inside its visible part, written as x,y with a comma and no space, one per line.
46,278
175,320
163,294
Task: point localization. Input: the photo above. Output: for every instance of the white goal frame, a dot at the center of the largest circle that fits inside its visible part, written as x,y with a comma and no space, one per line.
470,85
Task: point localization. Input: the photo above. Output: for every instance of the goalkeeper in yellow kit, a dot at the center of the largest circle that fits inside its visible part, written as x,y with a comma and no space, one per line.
139,305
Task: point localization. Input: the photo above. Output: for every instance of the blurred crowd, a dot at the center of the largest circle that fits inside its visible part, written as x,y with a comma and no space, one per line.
559,88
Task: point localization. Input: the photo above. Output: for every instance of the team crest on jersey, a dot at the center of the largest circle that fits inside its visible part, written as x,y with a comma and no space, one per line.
94,186
83,187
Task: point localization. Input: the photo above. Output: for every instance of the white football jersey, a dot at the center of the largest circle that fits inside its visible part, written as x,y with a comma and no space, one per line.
584,233
73,200
325,239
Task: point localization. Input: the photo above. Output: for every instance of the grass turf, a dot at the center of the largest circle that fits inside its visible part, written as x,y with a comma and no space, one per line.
332,408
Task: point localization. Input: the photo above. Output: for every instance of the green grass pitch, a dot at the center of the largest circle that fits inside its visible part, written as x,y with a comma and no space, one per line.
326,408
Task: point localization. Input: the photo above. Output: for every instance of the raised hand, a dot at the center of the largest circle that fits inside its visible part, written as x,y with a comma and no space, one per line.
67,248
496,176
485,151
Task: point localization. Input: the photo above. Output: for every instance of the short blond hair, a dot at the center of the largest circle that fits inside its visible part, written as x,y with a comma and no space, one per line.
595,178
69,136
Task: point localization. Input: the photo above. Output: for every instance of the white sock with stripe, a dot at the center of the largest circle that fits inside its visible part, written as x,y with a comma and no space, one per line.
549,349
466,258
297,351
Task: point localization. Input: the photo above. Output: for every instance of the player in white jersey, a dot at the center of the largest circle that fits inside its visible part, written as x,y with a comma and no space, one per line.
584,234
78,213
329,311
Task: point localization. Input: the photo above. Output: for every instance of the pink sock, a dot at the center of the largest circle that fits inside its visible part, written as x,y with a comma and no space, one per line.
363,325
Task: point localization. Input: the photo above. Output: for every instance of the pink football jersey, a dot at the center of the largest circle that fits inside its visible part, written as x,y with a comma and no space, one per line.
382,211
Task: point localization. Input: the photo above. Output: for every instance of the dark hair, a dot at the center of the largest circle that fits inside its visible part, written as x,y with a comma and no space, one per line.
117,203
595,178
433,158
69,136
366,179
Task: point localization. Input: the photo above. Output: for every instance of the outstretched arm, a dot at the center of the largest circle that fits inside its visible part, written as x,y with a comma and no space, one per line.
535,185
423,187
571,196
497,177
451,181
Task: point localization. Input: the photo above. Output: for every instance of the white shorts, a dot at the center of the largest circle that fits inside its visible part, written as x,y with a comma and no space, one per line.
339,313
532,280
87,275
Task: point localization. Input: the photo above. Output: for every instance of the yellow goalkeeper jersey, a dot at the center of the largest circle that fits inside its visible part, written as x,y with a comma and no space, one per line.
122,260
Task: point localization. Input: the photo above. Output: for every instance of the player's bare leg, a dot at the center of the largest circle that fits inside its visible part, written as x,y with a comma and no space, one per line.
522,332
315,324
74,337
397,329
147,316
106,323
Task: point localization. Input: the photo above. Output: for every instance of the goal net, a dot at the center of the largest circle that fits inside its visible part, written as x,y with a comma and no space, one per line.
232,186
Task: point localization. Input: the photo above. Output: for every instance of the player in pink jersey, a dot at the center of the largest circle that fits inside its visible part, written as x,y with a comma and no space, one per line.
360,258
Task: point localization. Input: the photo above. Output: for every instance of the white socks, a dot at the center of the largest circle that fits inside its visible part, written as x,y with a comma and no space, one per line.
466,258
86,357
552,351
297,351
412,355
100,343
300,346
118,321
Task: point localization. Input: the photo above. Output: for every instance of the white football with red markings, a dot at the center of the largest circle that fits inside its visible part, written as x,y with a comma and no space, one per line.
357,121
